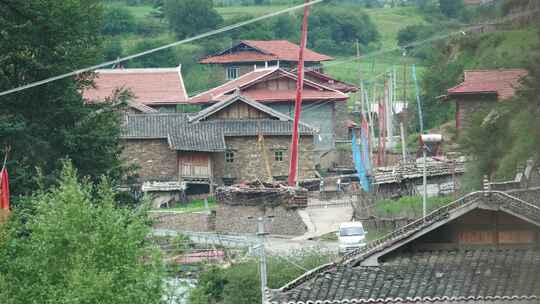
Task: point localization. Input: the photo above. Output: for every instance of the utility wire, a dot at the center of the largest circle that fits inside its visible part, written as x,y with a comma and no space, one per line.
194,38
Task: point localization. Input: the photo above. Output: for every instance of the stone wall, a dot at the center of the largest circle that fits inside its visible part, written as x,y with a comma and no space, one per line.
153,157
242,219
249,164
341,129
529,195
197,221
232,219
469,106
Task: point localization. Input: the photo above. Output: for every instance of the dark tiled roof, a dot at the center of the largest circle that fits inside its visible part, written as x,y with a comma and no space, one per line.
152,126
251,127
208,136
308,287
418,276
198,137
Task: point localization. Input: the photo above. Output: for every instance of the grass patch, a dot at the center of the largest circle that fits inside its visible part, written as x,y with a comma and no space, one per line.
230,12
193,206
347,69
390,20
409,206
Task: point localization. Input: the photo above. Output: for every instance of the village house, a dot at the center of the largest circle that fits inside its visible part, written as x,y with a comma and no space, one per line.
480,89
482,248
232,141
249,55
323,107
155,90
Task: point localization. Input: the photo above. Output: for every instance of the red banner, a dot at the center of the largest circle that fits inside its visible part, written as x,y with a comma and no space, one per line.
4,190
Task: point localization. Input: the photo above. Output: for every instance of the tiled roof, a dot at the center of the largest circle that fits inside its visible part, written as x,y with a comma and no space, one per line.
500,82
222,92
330,82
208,136
150,86
268,50
141,107
197,137
325,284
417,277
243,56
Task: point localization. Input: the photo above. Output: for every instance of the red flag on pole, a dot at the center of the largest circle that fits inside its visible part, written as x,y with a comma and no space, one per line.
4,190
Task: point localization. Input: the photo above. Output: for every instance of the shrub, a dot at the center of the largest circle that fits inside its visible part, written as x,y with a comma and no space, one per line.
117,20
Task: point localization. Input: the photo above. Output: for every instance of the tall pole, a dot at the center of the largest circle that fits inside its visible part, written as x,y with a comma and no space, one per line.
261,232
424,180
293,174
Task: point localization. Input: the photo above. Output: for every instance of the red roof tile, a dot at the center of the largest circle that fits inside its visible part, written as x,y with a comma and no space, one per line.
150,86
269,50
330,82
500,82
246,82
244,56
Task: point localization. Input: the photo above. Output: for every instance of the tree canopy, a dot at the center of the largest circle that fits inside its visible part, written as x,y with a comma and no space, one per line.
187,18
41,39
77,247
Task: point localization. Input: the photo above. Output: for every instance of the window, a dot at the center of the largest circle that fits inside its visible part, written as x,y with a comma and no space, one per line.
229,156
278,155
232,73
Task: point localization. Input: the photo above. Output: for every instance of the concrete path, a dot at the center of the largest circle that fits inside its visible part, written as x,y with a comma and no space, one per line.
322,220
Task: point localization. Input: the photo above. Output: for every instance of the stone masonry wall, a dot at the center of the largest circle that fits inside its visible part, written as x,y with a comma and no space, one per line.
468,106
199,221
249,164
342,115
153,157
241,219
232,219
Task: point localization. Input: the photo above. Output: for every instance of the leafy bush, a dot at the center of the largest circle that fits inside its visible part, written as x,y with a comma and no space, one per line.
74,244
118,20
150,27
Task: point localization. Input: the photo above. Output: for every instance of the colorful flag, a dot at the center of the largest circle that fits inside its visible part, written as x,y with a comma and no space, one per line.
4,190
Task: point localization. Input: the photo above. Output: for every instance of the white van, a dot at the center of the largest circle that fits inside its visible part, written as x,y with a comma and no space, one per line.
351,236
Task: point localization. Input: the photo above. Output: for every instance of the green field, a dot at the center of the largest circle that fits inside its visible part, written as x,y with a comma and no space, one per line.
390,20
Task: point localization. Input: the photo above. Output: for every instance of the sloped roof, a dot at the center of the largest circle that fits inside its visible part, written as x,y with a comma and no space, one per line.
157,86
222,92
330,82
236,98
501,82
191,133
355,278
425,276
141,107
265,50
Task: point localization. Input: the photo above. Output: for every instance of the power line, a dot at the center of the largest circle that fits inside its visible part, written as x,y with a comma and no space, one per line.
194,38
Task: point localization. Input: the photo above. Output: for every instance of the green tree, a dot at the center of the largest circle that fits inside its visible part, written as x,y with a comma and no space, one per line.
336,29
118,20
41,39
78,247
451,8
162,59
187,18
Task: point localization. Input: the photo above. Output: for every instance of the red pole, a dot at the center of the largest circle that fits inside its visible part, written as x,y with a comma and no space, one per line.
298,102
